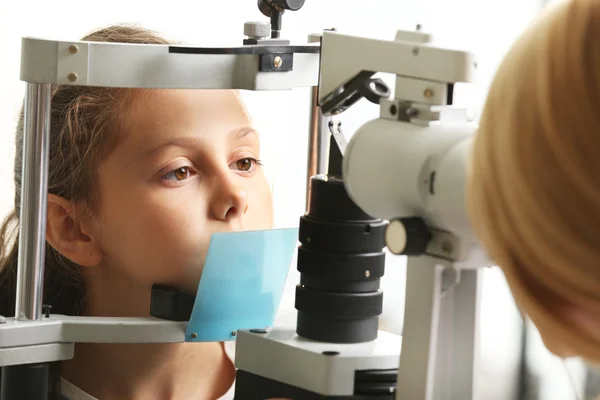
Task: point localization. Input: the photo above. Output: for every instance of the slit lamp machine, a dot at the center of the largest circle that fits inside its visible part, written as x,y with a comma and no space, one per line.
398,183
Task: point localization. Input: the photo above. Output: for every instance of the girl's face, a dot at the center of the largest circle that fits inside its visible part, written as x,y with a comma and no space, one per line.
188,165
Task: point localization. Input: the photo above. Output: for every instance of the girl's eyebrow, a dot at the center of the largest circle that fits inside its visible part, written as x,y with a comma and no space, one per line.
242,132
187,141
183,142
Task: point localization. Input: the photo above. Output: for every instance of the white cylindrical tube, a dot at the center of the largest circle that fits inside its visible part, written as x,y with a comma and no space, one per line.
396,169
447,206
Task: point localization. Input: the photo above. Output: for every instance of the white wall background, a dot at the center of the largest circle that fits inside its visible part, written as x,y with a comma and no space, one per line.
486,27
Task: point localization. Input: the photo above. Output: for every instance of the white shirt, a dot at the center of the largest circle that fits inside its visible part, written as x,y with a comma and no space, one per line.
72,392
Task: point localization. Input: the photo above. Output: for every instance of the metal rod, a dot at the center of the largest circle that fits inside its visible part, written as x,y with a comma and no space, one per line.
34,197
318,142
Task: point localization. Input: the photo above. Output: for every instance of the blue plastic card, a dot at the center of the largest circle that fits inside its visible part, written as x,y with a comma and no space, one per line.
242,283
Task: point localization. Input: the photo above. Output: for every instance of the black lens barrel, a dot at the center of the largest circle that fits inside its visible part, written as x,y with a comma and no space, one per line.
341,262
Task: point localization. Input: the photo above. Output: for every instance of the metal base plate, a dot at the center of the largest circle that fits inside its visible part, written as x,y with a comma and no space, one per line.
323,368
52,339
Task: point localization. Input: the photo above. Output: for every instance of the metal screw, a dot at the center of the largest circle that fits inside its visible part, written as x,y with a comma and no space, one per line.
307,240
233,333
415,51
278,62
46,308
418,27
367,274
194,335
72,76
447,247
73,49
428,93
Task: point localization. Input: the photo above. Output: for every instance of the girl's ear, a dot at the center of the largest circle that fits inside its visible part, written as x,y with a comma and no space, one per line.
70,236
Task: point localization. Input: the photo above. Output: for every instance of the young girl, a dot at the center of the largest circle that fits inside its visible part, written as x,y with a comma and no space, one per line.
138,182
534,192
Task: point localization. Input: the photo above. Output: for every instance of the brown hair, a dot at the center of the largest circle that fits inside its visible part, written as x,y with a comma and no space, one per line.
82,133
534,190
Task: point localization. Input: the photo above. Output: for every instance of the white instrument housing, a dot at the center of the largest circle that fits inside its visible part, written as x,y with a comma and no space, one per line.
395,169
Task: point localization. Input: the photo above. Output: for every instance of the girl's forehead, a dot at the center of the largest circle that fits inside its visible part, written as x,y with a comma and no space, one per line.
181,115
167,109
194,98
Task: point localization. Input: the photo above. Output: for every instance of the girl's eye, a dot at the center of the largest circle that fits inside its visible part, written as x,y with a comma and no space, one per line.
179,174
246,164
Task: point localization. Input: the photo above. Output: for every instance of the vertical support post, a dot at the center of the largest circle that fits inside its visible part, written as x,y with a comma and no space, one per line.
34,196
458,339
416,373
318,142
439,353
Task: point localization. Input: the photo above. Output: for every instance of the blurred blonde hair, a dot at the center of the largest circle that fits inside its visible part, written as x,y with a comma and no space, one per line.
534,189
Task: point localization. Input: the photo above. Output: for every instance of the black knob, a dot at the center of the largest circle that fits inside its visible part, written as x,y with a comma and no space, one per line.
268,6
292,5
274,9
407,236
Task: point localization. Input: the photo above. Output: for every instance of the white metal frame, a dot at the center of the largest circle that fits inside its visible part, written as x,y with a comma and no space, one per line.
28,337
344,56
126,65
47,62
